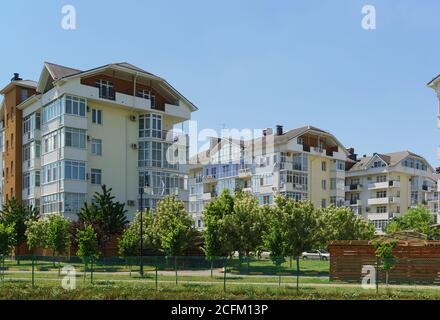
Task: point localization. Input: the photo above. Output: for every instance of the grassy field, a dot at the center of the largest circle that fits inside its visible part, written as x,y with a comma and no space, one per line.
146,291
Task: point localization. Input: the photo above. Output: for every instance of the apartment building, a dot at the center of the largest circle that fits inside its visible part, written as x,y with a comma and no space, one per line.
383,186
73,131
306,163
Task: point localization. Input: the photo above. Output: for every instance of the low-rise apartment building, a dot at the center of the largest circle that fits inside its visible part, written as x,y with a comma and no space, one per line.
73,131
383,186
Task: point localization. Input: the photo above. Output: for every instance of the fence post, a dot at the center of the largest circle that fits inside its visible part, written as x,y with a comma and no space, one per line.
33,270
175,267
377,275
156,275
224,274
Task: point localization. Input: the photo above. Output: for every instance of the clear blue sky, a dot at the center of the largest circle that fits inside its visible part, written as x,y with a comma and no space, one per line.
254,63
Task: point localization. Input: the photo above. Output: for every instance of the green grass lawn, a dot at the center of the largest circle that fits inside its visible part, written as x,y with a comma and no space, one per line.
255,267
147,291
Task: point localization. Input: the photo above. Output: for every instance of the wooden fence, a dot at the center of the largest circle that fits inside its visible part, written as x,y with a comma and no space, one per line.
417,262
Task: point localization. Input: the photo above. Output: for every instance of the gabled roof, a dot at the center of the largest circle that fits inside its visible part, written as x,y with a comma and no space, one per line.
58,72
430,83
62,73
391,159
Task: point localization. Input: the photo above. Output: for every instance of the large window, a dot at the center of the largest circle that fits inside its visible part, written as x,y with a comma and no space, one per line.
52,110
106,89
150,125
96,176
300,162
75,138
73,202
51,172
30,124
74,170
75,106
52,203
97,147
162,183
156,154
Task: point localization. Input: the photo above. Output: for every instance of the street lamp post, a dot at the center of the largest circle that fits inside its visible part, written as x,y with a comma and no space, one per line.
141,235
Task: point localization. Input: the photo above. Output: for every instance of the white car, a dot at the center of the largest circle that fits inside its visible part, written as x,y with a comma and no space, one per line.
316,255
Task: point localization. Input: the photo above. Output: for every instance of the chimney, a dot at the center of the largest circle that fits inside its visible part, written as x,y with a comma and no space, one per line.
267,132
16,77
352,155
280,130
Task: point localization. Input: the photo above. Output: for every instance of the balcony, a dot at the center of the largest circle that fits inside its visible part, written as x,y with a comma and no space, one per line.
318,151
209,179
383,201
384,185
353,203
353,187
245,173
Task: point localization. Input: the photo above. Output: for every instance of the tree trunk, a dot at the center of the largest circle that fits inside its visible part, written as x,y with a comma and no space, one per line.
59,267
175,267
17,255
291,262
297,273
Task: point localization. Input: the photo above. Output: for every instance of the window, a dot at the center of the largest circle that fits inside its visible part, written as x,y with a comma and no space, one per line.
340,165
52,203
156,154
144,152
267,200
24,94
96,176
106,89
52,111
51,172
381,209
381,194
51,141
73,202
75,138
96,116
74,170
97,147
380,224
324,184
75,106
324,203
381,179
324,166
156,126
301,140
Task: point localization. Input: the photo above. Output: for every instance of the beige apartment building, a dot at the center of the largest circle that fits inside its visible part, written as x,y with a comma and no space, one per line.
73,131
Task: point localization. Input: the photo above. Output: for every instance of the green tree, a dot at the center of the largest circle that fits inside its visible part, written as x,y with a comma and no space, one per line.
35,234
172,228
340,223
57,235
384,251
15,213
215,241
129,244
245,226
7,241
88,247
418,219
303,225
275,235
107,216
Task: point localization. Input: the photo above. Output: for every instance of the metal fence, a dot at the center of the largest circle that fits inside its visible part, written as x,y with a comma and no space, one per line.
220,271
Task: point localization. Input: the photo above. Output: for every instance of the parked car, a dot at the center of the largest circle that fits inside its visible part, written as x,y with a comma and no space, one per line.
320,254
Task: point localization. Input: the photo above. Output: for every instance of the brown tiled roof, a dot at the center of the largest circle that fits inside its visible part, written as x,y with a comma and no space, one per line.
58,72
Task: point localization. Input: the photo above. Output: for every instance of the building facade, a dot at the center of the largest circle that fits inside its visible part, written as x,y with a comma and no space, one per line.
304,164
384,186
75,131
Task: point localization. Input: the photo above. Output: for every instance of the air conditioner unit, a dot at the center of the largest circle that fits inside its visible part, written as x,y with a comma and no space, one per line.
88,176
88,138
88,109
134,146
132,118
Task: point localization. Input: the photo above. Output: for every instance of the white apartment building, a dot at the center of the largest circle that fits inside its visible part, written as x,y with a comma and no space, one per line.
79,130
384,186
306,163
